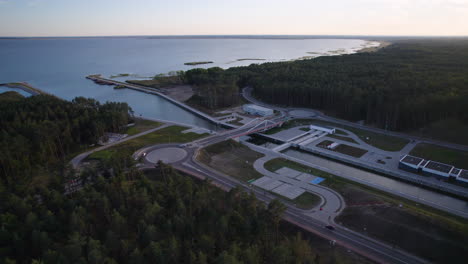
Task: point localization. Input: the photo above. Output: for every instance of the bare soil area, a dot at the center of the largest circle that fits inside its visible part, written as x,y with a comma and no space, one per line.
180,93
402,227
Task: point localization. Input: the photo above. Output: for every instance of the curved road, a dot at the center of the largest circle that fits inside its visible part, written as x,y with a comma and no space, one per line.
307,220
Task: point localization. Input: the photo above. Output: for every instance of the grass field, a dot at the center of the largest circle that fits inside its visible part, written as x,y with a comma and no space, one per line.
412,227
453,157
306,201
164,135
141,125
378,140
233,159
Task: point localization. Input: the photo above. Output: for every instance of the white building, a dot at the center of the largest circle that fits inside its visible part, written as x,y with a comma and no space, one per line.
257,110
329,130
437,169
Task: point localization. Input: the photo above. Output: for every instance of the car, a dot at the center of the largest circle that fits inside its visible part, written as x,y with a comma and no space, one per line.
330,227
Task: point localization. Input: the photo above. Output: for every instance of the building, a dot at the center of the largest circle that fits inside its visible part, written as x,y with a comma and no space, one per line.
329,130
463,176
455,172
257,110
432,168
410,163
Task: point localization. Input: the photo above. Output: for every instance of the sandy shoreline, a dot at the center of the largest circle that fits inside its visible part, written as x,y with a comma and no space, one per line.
382,44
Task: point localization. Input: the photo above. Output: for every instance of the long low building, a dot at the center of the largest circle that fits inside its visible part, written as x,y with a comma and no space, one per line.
410,163
432,168
463,176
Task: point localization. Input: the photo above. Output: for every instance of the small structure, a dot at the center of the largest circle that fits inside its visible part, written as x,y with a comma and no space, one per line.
455,172
333,145
432,168
329,130
410,163
257,110
463,175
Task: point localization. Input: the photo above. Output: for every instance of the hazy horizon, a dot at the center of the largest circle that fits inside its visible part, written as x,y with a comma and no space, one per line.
86,18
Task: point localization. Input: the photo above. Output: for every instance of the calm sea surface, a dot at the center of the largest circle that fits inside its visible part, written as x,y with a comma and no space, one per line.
59,65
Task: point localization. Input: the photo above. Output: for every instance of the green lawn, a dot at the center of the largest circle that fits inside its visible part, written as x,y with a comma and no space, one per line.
232,158
453,157
307,201
141,125
164,135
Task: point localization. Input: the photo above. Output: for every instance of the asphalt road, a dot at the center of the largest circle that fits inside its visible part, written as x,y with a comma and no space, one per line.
365,246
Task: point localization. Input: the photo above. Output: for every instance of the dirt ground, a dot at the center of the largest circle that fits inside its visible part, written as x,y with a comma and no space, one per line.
402,228
180,93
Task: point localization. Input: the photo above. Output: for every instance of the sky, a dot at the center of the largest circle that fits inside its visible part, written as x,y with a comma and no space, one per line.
233,17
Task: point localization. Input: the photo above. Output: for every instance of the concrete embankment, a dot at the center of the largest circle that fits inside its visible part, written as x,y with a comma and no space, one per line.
99,80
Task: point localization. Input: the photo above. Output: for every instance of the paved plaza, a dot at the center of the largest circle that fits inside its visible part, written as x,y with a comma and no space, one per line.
166,155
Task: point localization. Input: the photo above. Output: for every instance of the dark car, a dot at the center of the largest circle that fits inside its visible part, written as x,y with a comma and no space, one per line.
330,227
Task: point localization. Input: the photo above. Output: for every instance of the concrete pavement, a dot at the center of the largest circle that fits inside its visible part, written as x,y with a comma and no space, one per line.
332,202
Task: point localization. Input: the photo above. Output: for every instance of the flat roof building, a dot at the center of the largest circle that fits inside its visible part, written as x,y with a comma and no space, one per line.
410,163
433,168
463,176
257,110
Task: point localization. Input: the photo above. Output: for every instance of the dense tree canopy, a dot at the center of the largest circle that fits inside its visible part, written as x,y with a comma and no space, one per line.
39,131
131,219
216,88
404,86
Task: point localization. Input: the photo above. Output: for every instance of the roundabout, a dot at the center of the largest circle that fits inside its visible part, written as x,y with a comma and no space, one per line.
167,155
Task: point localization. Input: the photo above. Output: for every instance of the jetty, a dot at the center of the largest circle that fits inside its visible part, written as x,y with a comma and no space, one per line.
103,81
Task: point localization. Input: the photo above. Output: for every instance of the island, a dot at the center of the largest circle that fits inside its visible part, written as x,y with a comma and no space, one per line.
197,63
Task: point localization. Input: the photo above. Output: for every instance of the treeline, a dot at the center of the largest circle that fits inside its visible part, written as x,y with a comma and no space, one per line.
404,86
130,219
38,132
215,87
